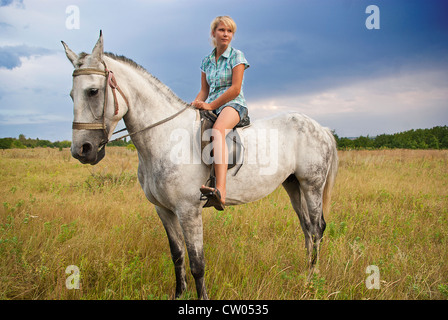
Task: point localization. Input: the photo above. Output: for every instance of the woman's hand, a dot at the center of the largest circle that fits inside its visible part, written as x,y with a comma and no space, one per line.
201,105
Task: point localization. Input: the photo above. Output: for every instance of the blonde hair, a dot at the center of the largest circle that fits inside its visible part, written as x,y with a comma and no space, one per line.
228,22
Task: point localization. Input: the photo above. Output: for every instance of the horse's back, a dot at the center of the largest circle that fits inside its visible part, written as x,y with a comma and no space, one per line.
303,142
276,147
299,126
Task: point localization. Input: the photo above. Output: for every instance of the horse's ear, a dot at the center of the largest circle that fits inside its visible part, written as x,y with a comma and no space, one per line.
97,51
70,54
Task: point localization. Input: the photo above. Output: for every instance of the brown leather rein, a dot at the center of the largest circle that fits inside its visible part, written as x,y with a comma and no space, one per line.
111,82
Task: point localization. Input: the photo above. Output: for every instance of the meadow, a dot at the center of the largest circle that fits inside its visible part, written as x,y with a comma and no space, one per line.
389,210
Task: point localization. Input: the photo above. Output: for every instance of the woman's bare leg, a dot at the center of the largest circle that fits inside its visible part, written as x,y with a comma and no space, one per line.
227,120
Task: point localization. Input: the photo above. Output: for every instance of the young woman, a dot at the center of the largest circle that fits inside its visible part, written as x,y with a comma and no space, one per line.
221,92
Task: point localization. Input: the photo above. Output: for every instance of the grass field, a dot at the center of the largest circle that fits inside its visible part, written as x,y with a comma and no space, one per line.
389,209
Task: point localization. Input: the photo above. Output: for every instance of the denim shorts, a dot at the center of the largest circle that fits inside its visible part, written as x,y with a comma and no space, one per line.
242,111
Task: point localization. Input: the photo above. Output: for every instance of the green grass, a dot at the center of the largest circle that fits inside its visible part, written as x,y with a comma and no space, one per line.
389,209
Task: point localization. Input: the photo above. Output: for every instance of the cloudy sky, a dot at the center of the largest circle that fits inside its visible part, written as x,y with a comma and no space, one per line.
312,56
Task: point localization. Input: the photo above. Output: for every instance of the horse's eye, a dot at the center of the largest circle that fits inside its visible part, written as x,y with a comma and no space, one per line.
92,92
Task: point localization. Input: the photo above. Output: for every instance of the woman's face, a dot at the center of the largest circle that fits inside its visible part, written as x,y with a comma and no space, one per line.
223,35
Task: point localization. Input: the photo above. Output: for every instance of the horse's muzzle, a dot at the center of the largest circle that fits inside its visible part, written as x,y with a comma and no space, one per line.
87,153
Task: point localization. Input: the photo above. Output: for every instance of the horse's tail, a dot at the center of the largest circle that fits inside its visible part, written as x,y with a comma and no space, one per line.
331,177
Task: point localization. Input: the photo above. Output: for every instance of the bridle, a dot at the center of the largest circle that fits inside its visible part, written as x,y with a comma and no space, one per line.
112,83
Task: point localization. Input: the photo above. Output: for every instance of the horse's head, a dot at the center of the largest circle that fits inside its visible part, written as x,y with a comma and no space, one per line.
94,115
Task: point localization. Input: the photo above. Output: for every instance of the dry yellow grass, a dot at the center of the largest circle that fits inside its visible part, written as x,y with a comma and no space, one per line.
389,209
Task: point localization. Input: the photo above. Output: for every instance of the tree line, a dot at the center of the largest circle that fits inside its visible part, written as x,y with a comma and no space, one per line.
23,143
434,138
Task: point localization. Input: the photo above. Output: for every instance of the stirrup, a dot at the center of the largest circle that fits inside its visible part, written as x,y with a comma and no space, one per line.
211,182
213,196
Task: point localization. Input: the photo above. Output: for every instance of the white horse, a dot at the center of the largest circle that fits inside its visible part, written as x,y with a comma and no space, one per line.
302,154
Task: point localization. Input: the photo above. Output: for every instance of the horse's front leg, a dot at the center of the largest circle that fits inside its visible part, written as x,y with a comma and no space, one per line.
175,238
191,223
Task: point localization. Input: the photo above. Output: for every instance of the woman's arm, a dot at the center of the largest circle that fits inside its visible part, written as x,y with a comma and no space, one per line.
203,93
228,95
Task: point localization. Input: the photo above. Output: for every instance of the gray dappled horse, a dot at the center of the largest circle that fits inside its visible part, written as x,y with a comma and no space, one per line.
303,154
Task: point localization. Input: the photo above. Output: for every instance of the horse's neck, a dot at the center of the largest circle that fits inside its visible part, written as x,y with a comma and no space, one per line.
150,101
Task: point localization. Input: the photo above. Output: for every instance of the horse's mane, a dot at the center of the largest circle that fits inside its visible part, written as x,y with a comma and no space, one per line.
159,85
126,60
